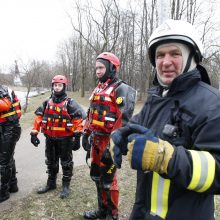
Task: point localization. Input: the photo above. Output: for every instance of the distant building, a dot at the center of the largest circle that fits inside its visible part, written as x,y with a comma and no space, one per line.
17,78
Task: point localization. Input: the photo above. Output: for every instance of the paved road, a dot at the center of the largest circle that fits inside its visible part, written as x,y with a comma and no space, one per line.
31,168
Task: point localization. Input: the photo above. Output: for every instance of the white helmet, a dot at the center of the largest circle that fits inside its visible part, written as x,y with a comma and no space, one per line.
175,31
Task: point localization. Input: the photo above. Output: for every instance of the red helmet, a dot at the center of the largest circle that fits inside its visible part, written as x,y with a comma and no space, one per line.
111,58
59,79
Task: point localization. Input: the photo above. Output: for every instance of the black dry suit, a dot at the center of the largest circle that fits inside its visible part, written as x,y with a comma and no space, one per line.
10,132
59,147
188,118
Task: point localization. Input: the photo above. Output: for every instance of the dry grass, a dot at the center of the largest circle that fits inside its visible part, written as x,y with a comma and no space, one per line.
82,198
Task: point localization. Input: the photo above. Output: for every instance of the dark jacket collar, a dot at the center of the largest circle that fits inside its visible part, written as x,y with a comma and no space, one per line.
180,83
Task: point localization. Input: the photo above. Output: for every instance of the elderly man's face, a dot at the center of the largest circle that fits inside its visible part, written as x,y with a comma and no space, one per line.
169,62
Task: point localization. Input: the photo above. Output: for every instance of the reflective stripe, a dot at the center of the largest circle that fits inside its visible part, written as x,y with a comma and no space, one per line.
109,90
203,171
96,112
56,128
8,114
109,119
69,124
15,104
159,195
95,98
95,122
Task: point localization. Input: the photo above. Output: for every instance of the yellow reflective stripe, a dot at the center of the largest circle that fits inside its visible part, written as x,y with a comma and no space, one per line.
100,123
95,98
203,171
56,128
8,114
196,170
159,195
96,112
18,111
58,109
154,192
15,104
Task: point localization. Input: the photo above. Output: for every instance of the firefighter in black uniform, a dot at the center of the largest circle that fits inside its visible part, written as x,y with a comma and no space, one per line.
10,131
174,142
60,119
111,105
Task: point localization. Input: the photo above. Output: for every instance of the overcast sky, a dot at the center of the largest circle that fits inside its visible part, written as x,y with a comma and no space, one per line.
32,29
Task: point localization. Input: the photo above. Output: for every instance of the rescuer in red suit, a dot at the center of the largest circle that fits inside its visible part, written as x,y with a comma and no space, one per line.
60,119
111,105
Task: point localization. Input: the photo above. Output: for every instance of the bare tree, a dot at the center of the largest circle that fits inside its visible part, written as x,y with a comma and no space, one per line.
31,74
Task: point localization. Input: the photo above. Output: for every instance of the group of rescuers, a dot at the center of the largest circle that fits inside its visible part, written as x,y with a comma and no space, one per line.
173,142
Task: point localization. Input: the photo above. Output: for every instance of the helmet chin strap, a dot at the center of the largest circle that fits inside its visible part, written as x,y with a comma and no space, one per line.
190,64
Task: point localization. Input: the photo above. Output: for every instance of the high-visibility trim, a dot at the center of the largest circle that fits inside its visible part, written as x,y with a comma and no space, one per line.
34,131
15,104
96,112
109,119
56,128
109,90
203,171
8,114
96,98
159,195
95,122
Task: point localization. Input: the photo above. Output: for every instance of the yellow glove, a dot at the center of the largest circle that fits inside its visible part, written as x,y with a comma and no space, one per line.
147,152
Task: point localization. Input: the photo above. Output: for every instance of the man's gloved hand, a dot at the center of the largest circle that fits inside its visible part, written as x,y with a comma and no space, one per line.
76,141
119,141
85,142
34,140
148,152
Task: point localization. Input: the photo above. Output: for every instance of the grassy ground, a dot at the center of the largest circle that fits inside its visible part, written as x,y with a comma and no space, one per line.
82,198
83,194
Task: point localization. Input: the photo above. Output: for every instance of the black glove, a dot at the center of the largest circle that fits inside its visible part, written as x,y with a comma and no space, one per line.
76,141
85,142
34,140
106,158
119,142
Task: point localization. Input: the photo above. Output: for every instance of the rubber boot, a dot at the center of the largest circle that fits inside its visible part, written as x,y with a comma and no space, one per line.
13,183
13,187
51,185
4,193
99,213
65,192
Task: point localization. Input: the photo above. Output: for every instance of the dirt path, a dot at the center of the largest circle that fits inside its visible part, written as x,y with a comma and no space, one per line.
31,168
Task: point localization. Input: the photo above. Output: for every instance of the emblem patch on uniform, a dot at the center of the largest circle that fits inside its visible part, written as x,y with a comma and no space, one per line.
119,100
